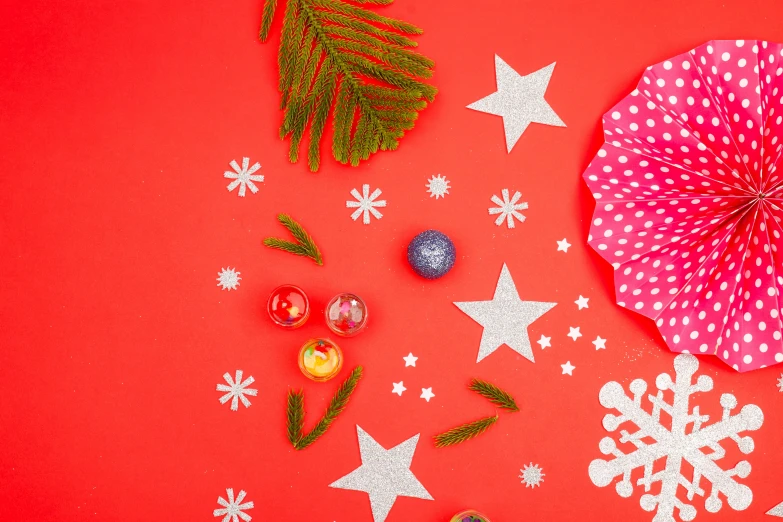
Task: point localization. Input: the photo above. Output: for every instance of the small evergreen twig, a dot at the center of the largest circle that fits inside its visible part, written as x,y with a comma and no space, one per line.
305,246
295,416
295,412
464,432
496,396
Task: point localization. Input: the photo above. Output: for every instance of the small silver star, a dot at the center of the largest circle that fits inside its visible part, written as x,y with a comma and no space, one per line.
426,394
505,318
519,100
568,368
410,360
582,302
599,343
384,474
562,246
398,388
574,333
544,341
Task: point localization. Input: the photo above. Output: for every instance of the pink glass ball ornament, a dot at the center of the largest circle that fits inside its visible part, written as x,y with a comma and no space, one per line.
346,314
288,306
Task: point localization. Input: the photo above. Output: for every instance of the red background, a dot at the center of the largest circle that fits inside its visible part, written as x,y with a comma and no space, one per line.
117,121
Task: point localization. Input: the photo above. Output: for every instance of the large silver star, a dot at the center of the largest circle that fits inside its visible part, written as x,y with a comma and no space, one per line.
519,100
505,318
384,474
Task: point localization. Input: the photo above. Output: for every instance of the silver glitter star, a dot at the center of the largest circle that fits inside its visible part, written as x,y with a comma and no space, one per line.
505,318
519,100
776,511
384,474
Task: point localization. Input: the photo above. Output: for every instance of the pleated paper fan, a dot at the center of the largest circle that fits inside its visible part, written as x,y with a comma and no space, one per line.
689,202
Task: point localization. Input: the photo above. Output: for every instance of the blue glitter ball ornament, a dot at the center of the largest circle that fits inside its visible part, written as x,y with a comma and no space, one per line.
431,254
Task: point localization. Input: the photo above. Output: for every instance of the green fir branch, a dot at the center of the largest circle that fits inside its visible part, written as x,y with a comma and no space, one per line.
304,246
464,432
336,406
340,59
295,416
496,396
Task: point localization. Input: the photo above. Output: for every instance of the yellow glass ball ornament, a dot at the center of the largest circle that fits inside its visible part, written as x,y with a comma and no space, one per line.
320,359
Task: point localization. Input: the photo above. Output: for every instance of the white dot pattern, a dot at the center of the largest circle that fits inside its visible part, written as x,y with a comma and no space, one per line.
689,203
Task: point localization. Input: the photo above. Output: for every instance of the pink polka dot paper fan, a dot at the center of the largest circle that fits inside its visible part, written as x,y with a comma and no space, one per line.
689,201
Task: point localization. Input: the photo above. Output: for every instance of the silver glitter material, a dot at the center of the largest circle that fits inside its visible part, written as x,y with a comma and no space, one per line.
505,318
431,254
236,390
384,474
519,100
700,447
243,176
233,509
776,511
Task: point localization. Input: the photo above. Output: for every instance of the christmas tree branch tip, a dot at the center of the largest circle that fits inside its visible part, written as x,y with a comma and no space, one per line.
464,432
304,245
495,395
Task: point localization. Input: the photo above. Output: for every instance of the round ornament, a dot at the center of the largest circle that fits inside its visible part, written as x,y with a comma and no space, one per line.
469,516
320,359
288,306
431,254
346,314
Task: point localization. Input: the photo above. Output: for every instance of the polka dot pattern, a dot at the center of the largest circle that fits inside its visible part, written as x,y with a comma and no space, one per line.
689,205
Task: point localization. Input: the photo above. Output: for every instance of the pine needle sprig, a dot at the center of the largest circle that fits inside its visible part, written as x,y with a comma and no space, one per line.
295,412
336,57
496,396
305,246
464,432
295,416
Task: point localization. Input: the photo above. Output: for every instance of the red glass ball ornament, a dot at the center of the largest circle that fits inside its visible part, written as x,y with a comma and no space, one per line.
288,306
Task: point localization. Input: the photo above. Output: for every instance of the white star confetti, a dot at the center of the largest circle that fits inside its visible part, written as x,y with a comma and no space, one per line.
562,246
236,390
410,360
780,383
366,204
532,475
243,177
600,344
574,333
582,302
438,186
233,509
426,394
398,388
507,209
544,341
519,100
568,368
228,279
690,454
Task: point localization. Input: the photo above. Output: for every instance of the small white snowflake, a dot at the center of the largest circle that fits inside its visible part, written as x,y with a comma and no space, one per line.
233,509
365,204
438,186
780,383
243,177
532,475
236,390
507,208
228,278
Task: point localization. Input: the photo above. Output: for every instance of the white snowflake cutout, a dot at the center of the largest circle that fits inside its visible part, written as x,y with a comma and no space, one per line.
365,204
233,509
236,390
532,475
438,186
508,208
228,279
243,177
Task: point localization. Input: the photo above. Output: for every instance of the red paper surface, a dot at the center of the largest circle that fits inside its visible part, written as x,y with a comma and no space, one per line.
118,120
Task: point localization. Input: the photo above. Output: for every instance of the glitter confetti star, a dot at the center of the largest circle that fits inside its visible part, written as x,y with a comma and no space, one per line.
384,474
410,359
776,511
582,302
519,100
426,394
544,341
568,368
562,246
438,186
574,333
600,344
228,278
532,475
398,388
505,318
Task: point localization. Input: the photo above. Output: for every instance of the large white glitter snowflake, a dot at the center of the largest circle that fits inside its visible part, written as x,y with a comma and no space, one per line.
532,475
228,278
236,390
233,509
243,177
699,447
438,186
507,208
365,204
